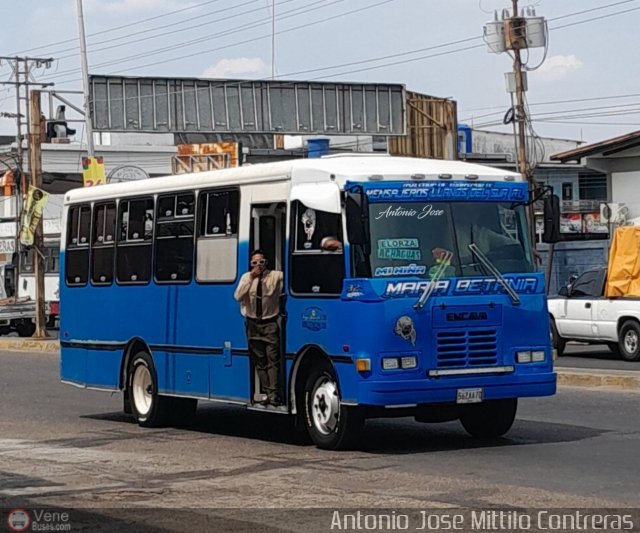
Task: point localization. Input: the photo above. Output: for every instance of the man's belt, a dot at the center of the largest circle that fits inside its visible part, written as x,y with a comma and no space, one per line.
262,320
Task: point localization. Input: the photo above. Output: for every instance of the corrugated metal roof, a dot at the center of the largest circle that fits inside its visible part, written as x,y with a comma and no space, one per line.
613,145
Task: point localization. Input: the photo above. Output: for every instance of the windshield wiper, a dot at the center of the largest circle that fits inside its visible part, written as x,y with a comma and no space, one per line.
495,273
445,261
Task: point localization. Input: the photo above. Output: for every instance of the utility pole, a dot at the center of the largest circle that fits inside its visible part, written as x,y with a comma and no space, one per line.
273,39
22,79
516,36
85,80
518,28
512,33
35,169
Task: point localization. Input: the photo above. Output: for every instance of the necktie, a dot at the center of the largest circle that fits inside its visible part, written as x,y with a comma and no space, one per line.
259,299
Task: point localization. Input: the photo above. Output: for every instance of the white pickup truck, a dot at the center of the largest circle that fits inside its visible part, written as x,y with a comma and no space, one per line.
580,312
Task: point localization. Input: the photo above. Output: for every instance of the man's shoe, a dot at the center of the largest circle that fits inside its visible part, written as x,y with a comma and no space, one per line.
275,401
264,402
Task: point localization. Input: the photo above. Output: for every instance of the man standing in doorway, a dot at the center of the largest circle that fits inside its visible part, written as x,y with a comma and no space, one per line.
259,293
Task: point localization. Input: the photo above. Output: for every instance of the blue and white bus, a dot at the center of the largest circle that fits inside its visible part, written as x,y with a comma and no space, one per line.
432,307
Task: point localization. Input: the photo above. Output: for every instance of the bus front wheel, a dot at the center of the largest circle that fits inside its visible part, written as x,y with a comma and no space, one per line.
147,405
331,425
489,419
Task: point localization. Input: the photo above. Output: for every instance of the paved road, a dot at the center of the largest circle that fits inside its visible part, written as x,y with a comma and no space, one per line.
596,356
62,446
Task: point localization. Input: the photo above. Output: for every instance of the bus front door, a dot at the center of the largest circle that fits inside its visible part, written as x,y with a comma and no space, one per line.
268,233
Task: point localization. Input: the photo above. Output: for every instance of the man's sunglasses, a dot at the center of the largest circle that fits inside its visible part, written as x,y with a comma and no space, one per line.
261,262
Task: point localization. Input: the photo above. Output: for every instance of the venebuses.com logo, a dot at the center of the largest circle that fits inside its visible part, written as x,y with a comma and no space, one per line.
38,520
18,520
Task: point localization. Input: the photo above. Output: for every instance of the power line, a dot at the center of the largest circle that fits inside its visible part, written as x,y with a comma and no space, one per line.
553,102
588,123
128,25
136,38
599,8
601,17
453,51
287,14
560,117
253,39
410,52
372,60
569,110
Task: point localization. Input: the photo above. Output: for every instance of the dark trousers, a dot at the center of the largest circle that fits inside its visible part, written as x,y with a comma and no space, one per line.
264,348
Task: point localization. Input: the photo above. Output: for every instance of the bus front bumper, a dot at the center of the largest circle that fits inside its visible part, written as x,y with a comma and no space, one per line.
406,392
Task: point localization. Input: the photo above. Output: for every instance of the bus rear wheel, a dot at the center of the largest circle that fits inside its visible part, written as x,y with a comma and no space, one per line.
490,419
331,425
148,407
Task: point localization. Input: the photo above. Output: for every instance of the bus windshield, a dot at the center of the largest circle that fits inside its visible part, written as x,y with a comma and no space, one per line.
409,239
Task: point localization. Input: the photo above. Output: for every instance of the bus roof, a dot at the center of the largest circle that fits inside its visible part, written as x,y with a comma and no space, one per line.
342,168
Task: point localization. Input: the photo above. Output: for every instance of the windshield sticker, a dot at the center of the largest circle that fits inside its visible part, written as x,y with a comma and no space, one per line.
454,190
405,270
354,290
399,249
426,211
524,285
415,288
308,220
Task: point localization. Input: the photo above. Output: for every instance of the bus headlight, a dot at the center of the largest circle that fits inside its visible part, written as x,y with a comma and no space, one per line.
538,356
390,363
523,357
408,362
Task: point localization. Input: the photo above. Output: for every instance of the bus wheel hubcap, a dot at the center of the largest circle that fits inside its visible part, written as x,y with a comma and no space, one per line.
325,407
142,389
631,341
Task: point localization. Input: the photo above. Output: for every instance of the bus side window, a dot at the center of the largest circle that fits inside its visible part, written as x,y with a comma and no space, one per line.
77,249
103,243
217,242
174,238
133,255
315,271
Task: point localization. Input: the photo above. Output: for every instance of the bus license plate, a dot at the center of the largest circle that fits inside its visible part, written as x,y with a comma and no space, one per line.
469,396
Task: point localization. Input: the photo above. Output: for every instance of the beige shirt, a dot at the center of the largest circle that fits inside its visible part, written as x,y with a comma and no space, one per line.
247,290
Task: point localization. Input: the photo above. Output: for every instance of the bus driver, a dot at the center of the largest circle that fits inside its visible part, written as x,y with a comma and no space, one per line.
259,293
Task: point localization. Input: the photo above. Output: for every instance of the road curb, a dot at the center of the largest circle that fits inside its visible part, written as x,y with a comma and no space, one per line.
30,345
610,379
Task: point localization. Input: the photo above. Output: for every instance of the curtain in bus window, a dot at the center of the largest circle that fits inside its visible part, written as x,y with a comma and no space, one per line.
219,213
103,243
133,257
174,238
217,242
77,250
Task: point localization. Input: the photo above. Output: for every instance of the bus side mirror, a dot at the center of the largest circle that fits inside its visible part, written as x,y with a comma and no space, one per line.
357,211
551,232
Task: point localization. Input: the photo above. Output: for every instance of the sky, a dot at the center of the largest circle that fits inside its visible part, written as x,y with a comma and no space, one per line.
586,88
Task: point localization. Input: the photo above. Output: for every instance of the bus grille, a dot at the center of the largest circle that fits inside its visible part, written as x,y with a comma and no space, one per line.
459,349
